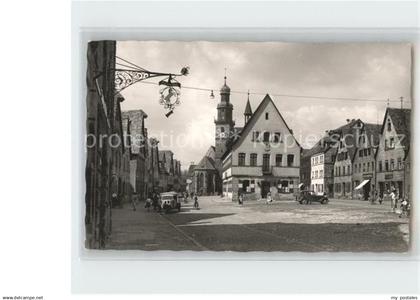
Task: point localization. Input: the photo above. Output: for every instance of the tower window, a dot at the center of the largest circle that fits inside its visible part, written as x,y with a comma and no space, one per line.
222,129
266,115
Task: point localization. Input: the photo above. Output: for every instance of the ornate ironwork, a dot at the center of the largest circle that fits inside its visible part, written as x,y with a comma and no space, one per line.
125,78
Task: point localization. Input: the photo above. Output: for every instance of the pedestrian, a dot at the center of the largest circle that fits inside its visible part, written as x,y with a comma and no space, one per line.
269,199
155,201
393,196
148,203
241,199
133,203
196,206
114,200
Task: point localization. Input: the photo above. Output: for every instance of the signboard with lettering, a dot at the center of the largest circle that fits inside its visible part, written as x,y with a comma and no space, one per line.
388,176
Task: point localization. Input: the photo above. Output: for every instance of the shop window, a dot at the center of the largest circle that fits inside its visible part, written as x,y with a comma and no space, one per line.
392,165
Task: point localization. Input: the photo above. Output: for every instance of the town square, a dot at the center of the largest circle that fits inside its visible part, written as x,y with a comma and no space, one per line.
173,164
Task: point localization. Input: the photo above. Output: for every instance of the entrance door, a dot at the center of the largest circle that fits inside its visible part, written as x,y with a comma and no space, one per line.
400,189
265,188
366,191
381,189
344,188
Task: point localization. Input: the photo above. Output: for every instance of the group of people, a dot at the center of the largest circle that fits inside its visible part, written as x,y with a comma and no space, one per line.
394,198
153,200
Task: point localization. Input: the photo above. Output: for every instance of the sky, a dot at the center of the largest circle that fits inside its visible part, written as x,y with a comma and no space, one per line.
363,71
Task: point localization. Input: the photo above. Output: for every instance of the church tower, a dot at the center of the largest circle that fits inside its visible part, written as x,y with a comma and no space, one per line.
248,111
224,123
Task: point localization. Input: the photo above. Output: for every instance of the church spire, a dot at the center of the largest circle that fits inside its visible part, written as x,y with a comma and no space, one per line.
248,110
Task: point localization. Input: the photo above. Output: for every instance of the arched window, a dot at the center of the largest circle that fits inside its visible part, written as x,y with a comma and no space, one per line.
222,129
388,124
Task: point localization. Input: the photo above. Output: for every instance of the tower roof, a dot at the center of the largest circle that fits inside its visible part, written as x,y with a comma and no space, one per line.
248,110
225,89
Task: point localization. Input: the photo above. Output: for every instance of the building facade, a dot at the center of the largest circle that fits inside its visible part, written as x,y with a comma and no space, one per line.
264,157
392,157
305,170
205,175
322,158
139,153
343,166
364,175
100,163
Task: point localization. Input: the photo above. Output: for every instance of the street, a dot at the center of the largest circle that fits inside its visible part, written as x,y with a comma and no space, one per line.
220,225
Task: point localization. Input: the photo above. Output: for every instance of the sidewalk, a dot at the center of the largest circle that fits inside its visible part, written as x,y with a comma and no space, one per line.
143,230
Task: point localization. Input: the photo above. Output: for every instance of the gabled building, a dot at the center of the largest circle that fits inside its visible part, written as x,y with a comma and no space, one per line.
139,151
364,162
392,157
322,159
346,148
205,175
263,157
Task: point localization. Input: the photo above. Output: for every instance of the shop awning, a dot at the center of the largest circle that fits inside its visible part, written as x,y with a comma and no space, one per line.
300,184
362,184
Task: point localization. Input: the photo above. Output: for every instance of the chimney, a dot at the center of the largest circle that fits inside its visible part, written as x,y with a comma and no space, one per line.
348,120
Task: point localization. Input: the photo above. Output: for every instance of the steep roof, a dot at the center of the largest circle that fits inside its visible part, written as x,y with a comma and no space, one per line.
206,163
238,136
373,132
248,110
191,170
401,119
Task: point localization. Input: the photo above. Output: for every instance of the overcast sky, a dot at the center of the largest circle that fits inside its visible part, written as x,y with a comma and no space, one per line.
372,71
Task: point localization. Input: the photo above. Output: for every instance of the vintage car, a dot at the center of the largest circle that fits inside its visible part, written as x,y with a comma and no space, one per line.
307,197
170,201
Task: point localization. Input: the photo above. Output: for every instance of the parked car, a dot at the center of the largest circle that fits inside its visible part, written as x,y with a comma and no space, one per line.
307,197
170,201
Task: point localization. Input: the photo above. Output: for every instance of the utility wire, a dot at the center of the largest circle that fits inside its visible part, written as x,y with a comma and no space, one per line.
285,95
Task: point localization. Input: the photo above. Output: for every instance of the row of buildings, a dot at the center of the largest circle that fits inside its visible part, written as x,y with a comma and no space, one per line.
359,160
122,163
261,157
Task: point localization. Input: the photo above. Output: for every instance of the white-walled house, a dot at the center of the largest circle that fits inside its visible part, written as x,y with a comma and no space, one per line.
263,157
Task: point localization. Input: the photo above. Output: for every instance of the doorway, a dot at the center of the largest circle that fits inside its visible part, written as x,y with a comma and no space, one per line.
265,188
